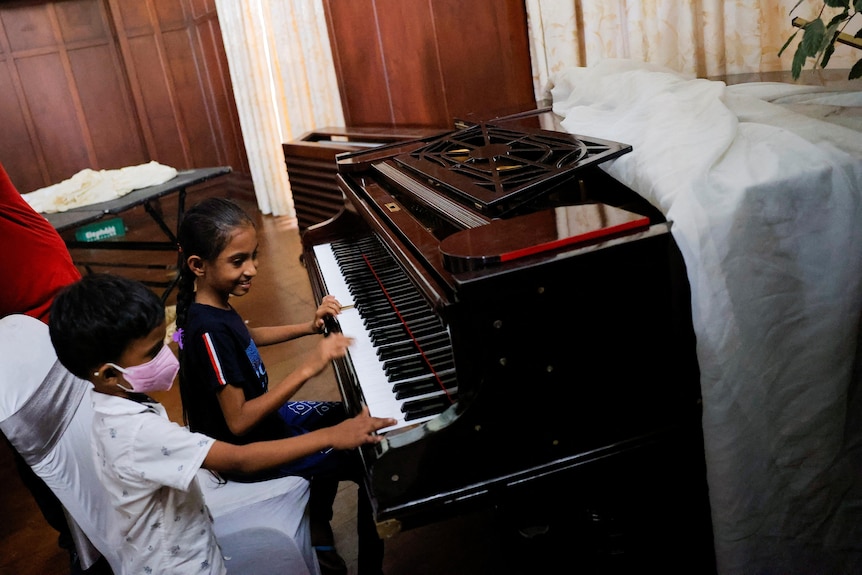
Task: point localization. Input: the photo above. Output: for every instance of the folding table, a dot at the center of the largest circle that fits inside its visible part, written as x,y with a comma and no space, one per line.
77,217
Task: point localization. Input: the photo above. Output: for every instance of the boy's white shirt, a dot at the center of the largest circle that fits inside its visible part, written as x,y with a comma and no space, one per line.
148,464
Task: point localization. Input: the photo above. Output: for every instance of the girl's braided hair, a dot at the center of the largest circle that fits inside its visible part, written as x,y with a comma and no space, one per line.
204,231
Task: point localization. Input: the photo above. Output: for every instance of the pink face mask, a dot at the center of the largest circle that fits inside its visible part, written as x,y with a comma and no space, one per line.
156,375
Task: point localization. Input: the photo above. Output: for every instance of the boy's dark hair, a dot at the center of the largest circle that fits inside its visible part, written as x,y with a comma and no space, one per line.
95,319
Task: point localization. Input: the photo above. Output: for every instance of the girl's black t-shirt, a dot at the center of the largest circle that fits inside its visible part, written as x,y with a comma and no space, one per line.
218,351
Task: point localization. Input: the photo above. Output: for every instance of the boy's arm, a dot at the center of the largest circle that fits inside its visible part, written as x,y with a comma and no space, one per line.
241,415
353,432
329,306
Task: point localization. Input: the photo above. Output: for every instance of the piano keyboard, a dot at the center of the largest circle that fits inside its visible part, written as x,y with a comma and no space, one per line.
391,361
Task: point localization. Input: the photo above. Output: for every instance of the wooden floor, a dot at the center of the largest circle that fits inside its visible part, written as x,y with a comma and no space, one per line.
478,543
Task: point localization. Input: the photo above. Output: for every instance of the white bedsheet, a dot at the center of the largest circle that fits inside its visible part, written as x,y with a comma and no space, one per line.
766,203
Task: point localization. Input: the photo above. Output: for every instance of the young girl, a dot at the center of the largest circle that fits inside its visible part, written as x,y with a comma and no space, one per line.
224,384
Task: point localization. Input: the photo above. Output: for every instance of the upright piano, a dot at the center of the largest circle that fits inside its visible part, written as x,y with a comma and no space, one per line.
523,315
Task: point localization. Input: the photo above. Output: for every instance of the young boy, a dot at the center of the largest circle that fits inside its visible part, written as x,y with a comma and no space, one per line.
110,331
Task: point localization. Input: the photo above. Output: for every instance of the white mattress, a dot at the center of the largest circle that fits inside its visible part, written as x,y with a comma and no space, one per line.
763,184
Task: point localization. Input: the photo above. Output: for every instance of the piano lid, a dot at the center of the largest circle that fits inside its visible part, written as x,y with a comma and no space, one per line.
515,238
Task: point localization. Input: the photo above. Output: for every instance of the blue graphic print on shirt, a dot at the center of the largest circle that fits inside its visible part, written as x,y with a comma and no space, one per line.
257,364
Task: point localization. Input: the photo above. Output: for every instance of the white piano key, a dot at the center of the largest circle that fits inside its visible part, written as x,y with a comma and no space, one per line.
335,284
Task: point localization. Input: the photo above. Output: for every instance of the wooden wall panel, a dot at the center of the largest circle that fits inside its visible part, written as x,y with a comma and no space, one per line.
182,82
486,69
144,53
192,110
28,28
17,152
51,103
108,110
70,91
154,100
169,13
82,21
133,18
427,62
109,83
356,51
202,7
217,88
409,41
43,94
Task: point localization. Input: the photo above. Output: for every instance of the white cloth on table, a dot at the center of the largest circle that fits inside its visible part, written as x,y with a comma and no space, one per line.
45,415
89,187
766,205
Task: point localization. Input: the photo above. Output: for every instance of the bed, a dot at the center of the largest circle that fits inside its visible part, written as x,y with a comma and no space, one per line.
763,184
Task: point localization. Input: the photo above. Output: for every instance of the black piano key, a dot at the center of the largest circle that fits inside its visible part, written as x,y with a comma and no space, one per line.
416,365
391,336
361,282
394,301
406,358
390,317
426,406
401,348
425,384
412,366
402,296
397,319
396,331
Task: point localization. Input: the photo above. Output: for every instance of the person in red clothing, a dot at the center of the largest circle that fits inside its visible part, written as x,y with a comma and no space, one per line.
36,264
34,256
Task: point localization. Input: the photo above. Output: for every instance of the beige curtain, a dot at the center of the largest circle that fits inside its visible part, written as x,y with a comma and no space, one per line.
284,84
699,37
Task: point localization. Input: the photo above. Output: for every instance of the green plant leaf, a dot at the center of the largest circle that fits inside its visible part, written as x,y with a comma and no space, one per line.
839,18
828,45
799,58
818,39
856,70
789,40
827,54
812,38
